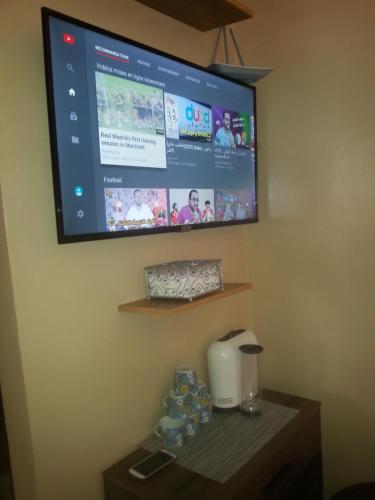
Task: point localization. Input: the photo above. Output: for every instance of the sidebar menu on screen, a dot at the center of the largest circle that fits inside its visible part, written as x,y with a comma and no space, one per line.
70,93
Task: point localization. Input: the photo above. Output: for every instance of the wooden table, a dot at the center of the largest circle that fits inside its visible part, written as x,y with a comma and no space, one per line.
287,467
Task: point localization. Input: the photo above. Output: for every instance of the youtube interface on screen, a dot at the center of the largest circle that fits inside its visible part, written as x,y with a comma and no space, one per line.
139,135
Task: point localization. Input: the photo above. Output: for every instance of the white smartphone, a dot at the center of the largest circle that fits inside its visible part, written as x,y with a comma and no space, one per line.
151,464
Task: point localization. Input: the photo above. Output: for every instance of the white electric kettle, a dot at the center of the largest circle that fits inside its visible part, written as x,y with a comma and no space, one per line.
224,367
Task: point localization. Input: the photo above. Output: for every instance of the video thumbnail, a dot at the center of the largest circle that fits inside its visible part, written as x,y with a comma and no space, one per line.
186,119
135,208
131,123
234,205
246,204
231,128
191,206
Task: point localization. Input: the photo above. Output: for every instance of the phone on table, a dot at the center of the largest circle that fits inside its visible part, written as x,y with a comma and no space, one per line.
151,464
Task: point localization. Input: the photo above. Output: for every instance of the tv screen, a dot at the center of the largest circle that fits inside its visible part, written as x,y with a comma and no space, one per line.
143,142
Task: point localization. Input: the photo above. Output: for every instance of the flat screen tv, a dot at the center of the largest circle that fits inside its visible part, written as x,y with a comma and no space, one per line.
143,142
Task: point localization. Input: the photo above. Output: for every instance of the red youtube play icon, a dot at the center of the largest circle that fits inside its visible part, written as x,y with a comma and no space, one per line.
68,38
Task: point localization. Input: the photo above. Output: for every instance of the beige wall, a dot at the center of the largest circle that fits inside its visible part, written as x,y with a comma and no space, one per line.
82,383
312,256
89,380
11,379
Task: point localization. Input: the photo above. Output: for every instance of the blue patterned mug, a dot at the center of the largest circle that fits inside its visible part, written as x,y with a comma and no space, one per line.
185,380
205,415
192,425
177,405
170,431
200,398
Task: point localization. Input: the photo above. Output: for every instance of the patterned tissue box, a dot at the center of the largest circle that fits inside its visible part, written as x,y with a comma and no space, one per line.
184,279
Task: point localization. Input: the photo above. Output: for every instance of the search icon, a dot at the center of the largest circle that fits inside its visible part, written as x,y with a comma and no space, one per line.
69,67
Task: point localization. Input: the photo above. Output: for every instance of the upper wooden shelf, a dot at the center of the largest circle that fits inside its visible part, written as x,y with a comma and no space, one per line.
203,15
169,307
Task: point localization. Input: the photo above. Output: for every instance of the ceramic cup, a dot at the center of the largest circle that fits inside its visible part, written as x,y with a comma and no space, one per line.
205,415
192,424
185,380
170,431
178,406
200,398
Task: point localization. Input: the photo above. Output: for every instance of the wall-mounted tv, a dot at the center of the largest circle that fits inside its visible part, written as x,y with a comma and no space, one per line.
143,142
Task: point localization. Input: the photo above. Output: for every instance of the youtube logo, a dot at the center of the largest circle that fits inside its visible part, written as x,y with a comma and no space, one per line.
68,38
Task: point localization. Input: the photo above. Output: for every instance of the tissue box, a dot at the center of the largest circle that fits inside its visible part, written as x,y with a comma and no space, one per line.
184,279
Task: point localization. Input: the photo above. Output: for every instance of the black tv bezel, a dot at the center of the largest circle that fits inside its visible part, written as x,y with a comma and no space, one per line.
62,237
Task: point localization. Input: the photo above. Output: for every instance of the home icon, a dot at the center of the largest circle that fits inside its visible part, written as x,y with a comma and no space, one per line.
72,92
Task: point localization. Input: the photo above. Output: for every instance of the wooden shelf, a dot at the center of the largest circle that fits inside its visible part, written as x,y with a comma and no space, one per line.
169,307
203,15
